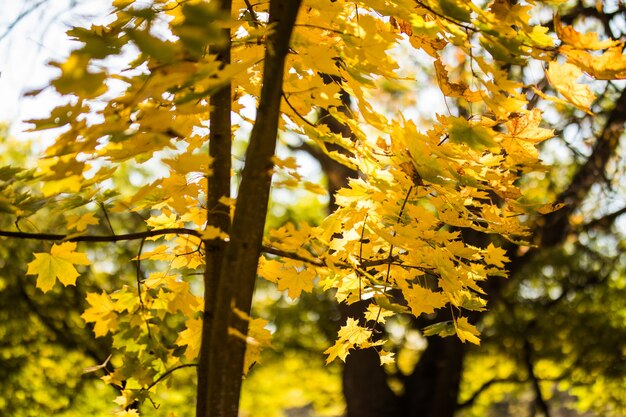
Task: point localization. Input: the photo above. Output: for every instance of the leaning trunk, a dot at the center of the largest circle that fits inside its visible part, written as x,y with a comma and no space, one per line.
238,268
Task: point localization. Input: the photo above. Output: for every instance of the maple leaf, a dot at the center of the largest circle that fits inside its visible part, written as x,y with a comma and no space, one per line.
258,339
80,223
350,335
564,78
386,357
295,281
191,337
59,263
101,313
578,40
495,256
466,331
377,314
212,232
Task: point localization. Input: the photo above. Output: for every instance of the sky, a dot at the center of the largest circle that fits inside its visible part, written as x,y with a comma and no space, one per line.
27,46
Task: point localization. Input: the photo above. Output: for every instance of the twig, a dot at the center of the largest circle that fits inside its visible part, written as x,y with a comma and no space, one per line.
296,111
168,372
100,238
106,216
19,18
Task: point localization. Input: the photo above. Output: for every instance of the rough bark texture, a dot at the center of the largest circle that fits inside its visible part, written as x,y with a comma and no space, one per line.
238,269
217,213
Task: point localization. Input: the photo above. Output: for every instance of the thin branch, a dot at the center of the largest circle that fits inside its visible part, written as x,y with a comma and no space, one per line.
539,400
447,18
255,18
106,216
361,253
180,231
168,373
139,280
19,18
296,111
100,238
603,222
484,387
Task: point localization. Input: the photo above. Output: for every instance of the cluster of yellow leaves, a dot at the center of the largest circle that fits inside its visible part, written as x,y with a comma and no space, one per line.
581,53
398,227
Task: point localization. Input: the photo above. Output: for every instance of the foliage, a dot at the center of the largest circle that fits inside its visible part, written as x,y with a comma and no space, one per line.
398,237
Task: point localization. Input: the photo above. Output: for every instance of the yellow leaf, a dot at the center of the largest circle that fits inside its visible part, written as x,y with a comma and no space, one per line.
101,313
212,232
610,65
386,357
377,313
258,339
59,263
186,163
526,127
338,350
466,331
454,89
564,79
70,184
295,281
76,77
579,40
191,338
354,333
420,300
181,299
80,223
495,256
122,3
350,335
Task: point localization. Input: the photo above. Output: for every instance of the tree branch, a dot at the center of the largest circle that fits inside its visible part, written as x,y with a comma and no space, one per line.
100,238
181,231
556,226
603,222
484,387
539,400
169,372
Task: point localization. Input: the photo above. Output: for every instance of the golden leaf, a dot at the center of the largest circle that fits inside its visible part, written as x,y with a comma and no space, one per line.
59,263
564,79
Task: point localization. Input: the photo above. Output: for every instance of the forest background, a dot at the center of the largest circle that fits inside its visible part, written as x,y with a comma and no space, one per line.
552,341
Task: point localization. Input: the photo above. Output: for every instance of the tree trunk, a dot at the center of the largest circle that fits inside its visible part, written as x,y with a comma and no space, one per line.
432,389
364,379
218,214
238,268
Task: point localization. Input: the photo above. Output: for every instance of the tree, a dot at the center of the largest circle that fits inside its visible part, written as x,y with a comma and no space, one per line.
418,233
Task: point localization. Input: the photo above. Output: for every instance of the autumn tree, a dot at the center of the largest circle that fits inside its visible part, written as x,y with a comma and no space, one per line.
424,229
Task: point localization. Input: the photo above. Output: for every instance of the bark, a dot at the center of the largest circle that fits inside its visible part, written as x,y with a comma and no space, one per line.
433,387
365,385
217,213
238,269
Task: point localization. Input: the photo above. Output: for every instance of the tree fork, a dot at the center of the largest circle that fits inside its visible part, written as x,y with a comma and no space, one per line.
239,266
218,214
